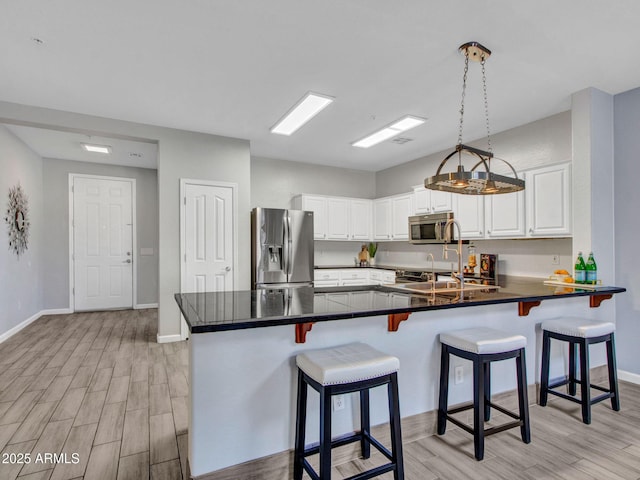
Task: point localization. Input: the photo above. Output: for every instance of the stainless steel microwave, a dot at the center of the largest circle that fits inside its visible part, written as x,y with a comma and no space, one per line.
431,228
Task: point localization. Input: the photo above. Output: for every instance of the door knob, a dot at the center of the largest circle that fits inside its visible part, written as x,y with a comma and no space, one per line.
128,260
128,254
227,269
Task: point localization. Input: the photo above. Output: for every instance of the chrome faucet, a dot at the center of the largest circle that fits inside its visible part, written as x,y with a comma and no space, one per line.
433,273
458,277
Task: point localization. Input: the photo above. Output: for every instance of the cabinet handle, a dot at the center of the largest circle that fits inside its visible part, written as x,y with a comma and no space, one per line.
480,232
488,232
531,230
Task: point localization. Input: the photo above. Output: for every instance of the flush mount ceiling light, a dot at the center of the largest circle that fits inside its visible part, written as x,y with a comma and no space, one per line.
303,111
106,149
480,180
405,123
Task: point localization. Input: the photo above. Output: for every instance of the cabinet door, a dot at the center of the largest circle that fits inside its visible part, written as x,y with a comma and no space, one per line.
337,219
469,212
382,219
360,219
504,215
401,209
318,205
421,201
441,201
548,193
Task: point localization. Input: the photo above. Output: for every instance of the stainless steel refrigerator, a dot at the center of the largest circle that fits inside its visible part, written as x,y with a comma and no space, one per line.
281,248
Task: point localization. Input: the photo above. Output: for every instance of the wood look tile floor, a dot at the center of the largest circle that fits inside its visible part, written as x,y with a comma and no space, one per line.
98,385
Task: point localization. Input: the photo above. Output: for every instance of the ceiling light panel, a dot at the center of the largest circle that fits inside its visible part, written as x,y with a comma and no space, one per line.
106,149
406,123
303,111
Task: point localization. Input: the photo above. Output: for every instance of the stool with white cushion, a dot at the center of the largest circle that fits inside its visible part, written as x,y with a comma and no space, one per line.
482,346
355,367
582,333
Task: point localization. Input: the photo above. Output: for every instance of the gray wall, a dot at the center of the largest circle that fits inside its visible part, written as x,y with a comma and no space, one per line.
20,277
627,226
535,144
275,182
181,154
56,224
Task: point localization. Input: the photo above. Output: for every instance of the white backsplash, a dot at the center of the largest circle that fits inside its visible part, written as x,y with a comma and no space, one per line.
531,257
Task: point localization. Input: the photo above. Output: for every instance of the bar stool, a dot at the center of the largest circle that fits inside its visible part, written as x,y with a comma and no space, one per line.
482,346
355,367
580,332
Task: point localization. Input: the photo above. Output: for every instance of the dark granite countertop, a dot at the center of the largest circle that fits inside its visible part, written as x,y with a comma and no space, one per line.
237,310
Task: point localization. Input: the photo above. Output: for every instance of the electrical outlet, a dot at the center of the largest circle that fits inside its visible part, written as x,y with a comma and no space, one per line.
338,402
458,374
555,260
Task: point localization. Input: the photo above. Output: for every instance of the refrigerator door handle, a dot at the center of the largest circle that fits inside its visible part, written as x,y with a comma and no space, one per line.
286,247
287,222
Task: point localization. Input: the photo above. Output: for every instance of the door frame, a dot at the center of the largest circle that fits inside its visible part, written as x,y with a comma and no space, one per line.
134,241
184,330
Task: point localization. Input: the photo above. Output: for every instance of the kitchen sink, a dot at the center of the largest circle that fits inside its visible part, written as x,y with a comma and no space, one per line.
438,287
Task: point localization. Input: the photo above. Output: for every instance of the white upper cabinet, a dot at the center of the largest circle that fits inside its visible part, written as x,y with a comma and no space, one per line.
441,201
382,219
504,215
401,210
391,217
548,199
318,205
337,218
431,201
469,212
360,213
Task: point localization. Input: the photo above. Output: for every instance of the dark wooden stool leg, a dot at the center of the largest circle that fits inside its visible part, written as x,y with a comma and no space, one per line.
396,431
301,422
487,391
613,373
325,433
523,397
478,408
585,381
572,368
444,390
365,423
544,373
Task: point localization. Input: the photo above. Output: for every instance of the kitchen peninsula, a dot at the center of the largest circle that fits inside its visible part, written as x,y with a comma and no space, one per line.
243,344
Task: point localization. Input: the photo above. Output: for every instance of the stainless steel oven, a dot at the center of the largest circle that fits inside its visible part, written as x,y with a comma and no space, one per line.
431,228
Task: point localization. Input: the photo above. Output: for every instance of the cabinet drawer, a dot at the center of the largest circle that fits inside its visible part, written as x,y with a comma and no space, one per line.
326,275
326,283
354,273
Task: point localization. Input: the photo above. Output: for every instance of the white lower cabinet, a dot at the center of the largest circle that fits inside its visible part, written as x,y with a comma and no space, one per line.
324,277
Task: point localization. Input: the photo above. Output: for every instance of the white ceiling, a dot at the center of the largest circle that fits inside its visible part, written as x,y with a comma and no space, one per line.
233,67
67,145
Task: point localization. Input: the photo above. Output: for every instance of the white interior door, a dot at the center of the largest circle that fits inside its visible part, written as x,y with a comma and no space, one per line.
102,243
208,235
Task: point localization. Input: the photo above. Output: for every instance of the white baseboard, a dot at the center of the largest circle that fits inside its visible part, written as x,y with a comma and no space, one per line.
20,326
629,377
141,306
56,311
169,338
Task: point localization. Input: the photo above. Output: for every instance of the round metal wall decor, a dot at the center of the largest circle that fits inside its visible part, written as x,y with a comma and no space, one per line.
17,220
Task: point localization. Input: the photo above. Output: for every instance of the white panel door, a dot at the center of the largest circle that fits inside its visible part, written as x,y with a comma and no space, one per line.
208,238
103,243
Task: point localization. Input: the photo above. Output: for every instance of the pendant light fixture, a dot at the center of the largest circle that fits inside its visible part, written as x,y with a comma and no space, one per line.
480,180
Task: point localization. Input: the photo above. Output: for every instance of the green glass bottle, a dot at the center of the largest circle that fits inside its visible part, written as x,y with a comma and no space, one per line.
591,270
580,270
